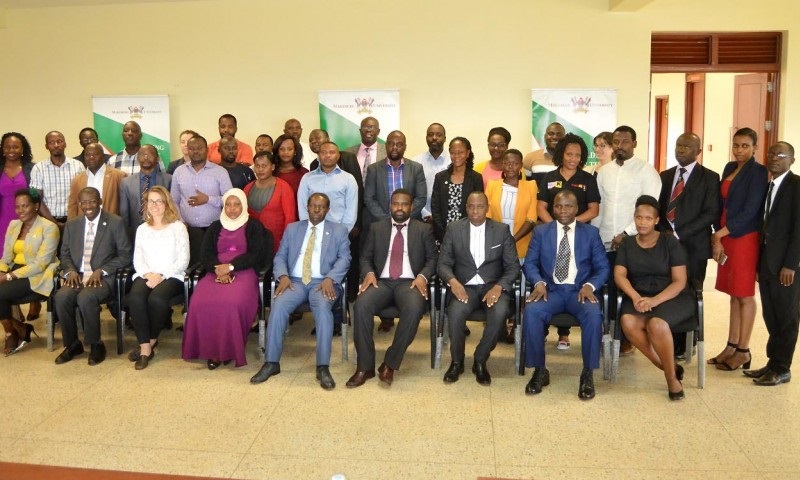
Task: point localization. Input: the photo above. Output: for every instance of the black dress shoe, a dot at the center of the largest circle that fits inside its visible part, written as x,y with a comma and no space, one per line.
481,373
69,353
386,375
134,354
586,388
143,360
97,354
539,380
213,364
360,378
267,370
756,373
771,378
452,373
324,378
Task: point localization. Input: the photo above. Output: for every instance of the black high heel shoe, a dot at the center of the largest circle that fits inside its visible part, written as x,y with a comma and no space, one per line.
679,395
729,367
213,364
716,360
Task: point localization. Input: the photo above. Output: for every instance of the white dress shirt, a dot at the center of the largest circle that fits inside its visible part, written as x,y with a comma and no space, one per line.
477,247
316,255
407,273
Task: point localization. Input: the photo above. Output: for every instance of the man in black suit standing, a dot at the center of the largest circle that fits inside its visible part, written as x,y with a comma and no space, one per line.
778,261
689,202
95,246
478,260
397,261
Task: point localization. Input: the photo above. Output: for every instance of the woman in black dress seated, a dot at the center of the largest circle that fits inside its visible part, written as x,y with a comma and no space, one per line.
651,272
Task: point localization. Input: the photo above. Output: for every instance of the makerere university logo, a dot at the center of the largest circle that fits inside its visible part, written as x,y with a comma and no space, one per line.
136,111
581,104
364,105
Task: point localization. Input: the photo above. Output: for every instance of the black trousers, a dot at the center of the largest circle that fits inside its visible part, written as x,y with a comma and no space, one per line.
11,291
412,306
457,313
150,308
196,235
779,306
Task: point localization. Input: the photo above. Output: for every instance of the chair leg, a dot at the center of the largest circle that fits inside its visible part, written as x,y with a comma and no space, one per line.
50,330
606,352
345,316
262,337
614,359
689,347
701,365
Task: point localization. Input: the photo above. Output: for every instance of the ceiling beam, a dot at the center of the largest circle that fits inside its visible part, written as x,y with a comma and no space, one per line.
627,5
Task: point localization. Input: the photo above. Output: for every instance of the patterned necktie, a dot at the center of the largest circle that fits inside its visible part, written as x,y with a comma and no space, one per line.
366,162
88,244
676,192
312,239
143,195
769,200
562,257
396,258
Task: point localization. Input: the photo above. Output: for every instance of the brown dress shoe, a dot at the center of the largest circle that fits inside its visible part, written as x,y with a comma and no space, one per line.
386,374
360,378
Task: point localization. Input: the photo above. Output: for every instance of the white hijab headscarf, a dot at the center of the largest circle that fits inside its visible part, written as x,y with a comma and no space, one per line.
229,223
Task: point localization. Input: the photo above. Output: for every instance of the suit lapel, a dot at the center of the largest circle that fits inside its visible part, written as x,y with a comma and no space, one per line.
776,201
99,233
326,240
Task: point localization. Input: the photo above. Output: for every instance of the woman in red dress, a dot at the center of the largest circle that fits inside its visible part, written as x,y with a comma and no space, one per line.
735,245
270,200
289,154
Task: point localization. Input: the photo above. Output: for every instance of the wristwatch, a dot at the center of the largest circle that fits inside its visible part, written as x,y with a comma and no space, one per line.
9,277
230,265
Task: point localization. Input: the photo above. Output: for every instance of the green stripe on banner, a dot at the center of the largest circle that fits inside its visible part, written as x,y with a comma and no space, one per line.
341,130
110,134
542,117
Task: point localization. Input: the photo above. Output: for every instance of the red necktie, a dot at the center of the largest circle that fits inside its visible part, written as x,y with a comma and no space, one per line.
676,192
396,257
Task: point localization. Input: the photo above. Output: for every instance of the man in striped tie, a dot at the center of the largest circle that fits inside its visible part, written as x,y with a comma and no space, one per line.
95,246
311,263
689,202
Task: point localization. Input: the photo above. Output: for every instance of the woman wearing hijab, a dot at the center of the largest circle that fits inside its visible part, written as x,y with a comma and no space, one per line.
221,310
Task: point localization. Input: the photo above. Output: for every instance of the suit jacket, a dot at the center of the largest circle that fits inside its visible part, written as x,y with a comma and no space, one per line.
111,186
440,197
130,198
39,250
349,163
376,189
380,148
334,259
111,249
696,211
421,248
745,203
500,265
590,255
780,236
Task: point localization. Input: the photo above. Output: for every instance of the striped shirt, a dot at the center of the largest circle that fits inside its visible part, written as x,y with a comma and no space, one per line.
54,183
127,163
212,180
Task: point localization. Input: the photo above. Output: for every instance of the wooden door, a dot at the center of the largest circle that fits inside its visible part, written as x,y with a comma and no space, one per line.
751,105
696,107
661,126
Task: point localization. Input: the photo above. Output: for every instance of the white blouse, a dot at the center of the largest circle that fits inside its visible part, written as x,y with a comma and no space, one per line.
164,251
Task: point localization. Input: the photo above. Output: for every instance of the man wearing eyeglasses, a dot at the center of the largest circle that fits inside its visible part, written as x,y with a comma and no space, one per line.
95,246
134,187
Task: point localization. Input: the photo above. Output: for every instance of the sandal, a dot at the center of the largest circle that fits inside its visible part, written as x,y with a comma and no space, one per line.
719,361
729,367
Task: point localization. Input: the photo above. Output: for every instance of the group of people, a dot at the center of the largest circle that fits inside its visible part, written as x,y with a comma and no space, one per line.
388,224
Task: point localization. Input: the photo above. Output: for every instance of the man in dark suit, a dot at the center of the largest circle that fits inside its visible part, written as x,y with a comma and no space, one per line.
478,260
95,246
397,261
689,204
779,260
133,186
566,264
307,272
370,150
399,172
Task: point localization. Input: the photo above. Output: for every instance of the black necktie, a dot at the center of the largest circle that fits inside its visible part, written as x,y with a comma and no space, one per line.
562,257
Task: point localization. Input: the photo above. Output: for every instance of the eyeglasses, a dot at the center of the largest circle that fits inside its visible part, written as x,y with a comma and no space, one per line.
779,156
156,203
498,145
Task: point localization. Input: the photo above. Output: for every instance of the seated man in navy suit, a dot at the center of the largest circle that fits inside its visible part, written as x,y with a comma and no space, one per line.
566,263
311,262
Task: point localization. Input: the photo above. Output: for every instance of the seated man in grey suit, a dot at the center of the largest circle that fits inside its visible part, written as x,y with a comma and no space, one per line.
310,264
133,187
566,264
95,245
478,260
396,263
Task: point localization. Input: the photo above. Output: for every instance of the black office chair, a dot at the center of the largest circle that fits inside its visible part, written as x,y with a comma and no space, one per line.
124,283
567,320
478,315
696,329
305,307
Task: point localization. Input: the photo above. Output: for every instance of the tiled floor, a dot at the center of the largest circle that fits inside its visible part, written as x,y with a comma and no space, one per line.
177,417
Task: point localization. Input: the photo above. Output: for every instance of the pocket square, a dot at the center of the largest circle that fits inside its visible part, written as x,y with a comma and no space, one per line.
497,246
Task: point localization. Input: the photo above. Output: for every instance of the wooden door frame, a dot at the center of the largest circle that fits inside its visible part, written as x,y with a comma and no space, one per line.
661,110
